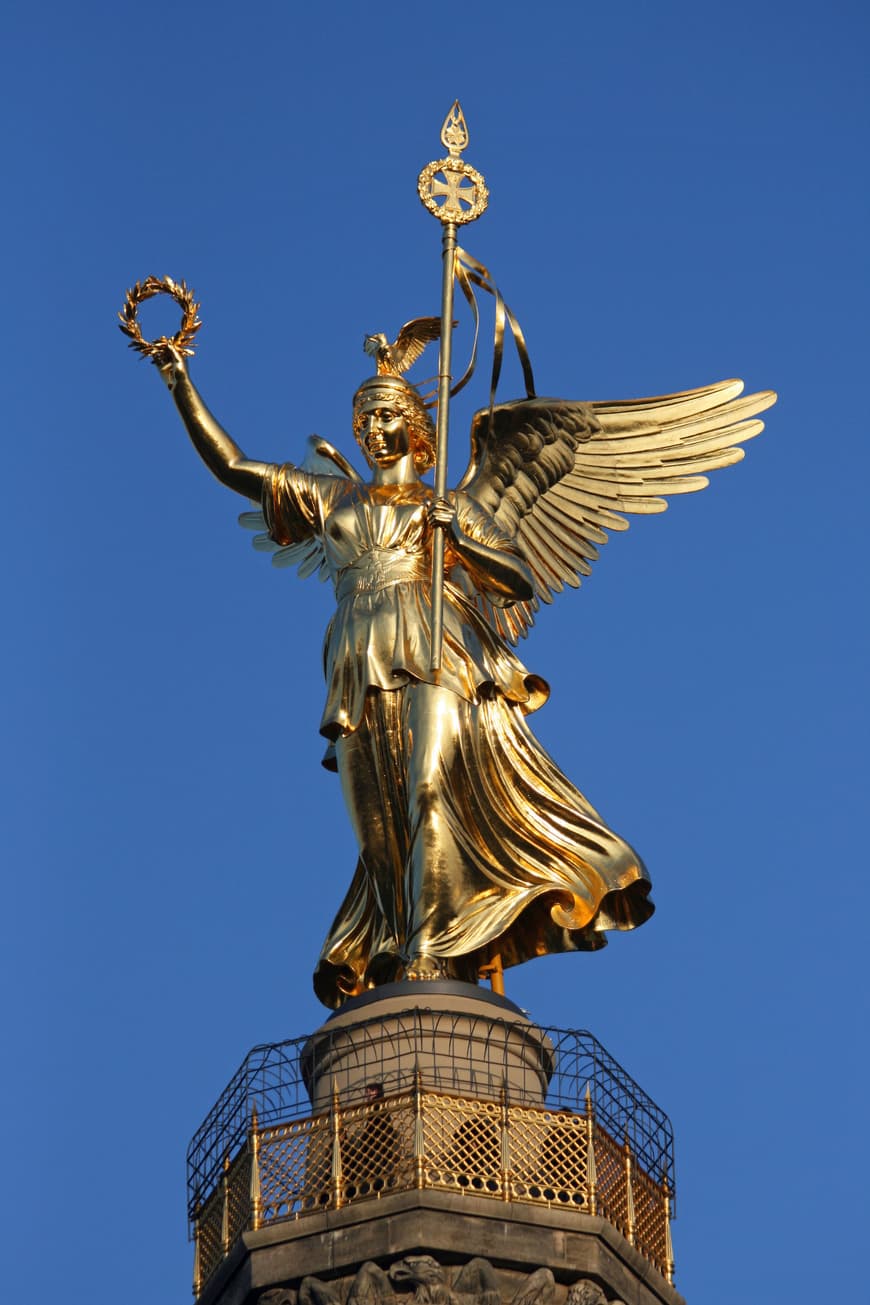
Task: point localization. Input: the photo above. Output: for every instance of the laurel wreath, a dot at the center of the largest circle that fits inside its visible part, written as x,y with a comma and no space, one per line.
147,289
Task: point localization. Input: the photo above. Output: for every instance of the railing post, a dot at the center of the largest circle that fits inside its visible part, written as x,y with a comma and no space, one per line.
591,1176
629,1195
197,1255
669,1246
335,1170
225,1210
505,1147
419,1140
256,1195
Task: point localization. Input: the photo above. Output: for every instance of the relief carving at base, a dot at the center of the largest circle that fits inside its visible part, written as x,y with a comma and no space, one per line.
421,1280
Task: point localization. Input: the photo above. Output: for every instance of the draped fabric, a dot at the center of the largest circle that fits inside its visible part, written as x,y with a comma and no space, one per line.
472,841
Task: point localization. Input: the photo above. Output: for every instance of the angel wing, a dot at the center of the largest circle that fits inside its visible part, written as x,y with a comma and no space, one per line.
557,475
321,459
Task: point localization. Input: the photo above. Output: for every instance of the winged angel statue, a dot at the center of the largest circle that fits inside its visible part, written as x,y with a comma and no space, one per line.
474,848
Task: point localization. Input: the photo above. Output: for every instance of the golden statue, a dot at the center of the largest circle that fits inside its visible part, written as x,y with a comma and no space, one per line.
475,851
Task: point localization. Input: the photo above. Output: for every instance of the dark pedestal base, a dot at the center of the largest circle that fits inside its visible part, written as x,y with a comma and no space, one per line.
588,1261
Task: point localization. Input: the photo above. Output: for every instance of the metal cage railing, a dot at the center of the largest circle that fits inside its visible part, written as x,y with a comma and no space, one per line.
597,1144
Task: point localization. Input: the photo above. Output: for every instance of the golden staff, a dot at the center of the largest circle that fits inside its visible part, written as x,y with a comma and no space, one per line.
455,193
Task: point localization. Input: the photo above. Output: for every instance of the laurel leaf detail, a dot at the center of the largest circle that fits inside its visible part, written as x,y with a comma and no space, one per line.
183,296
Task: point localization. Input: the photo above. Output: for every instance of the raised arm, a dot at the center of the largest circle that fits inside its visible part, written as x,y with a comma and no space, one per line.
218,451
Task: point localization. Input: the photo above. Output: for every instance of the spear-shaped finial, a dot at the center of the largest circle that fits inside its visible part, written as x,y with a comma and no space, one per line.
454,133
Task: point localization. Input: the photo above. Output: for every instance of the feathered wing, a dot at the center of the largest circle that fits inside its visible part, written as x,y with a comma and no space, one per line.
557,475
321,459
412,340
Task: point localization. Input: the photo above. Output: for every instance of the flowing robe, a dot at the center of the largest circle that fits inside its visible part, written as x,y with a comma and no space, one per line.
472,842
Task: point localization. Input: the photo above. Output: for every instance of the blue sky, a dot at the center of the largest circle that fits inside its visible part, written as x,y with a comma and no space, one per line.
678,195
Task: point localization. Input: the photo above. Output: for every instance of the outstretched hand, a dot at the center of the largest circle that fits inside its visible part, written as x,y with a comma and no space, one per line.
171,365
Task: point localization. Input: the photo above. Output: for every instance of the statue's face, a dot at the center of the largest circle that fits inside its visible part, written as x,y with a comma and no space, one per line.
383,433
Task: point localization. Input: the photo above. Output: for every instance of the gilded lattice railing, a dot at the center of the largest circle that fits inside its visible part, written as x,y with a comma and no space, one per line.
419,1139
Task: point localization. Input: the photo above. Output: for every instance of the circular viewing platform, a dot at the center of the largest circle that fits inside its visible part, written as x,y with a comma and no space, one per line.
431,1087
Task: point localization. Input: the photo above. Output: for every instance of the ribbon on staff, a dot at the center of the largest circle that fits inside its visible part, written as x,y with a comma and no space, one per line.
470,273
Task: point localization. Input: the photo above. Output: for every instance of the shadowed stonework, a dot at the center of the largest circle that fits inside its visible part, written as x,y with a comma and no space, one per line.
551,1256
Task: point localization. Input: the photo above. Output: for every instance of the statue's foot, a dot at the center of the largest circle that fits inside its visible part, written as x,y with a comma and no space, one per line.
422,967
